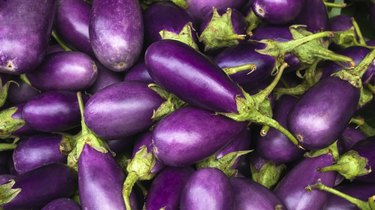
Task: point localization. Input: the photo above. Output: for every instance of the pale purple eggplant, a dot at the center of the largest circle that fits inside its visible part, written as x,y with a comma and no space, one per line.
278,12
207,188
274,145
36,188
21,92
138,73
23,47
116,32
69,71
250,195
314,15
62,204
52,112
105,78
350,137
189,135
37,151
72,24
166,189
291,189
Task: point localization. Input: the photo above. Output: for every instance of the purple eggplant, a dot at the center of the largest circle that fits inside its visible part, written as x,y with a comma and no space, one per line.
70,71
21,92
138,73
12,123
133,108
23,47
251,195
116,32
291,189
189,135
222,29
52,112
37,151
278,12
350,137
165,20
274,145
54,49
347,31
105,78
314,15
62,204
72,24
119,146
38,187
207,188
166,189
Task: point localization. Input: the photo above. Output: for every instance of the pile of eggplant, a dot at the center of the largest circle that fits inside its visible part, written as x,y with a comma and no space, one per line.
187,104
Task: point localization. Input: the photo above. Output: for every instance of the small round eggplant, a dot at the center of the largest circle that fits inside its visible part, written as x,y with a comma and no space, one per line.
138,73
276,11
62,204
166,189
207,188
116,32
314,15
70,71
105,78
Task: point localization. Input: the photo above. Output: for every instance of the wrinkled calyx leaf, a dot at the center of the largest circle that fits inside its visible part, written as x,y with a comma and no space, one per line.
186,35
8,124
268,175
7,192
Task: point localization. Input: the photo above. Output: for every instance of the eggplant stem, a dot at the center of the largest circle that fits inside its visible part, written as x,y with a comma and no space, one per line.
362,67
290,45
335,5
130,180
358,32
85,129
60,41
7,146
235,69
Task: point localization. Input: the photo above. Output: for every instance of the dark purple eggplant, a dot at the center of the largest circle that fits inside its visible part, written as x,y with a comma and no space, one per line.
21,92
23,47
36,188
314,15
62,204
250,195
166,189
116,32
138,73
37,151
119,146
278,12
291,189
72,24
350,137
207,188
70,71
105,78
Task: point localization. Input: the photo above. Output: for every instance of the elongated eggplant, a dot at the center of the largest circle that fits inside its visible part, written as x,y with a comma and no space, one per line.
23,47
278,12
105,78
207,188
166,189
38,187
116,32
70,71
62,204
250,195
138,73
314,15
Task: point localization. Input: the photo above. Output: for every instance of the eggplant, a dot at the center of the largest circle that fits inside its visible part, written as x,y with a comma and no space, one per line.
347,32
139,73
105,78
116,32
277,12
72,24
38,187
61,204
350,137
250,195
23,47
314,15
120,146
207,188
70,71
21,92
166,189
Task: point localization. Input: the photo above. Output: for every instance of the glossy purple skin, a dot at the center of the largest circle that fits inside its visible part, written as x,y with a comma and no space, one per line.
146,140
40,186
314,14
189,135
70,71
52,111
350,137
245,54
121,110
276,146
26,44
340,23
37,151
105,78
163,16
357,190
116,32
323,112
291,189
276,11
21,93
197,81
365,148
138,73
72,24
62,204
251,195
207,188
167,187
238,22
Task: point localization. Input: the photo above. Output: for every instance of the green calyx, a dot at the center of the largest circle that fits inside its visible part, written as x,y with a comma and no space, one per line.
4,91
252,22
225,163
7,192
268,175
365,97
67,143
350,165
350,37
8,124
331,149
186,35
171,103
181,3
219,32
139,168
